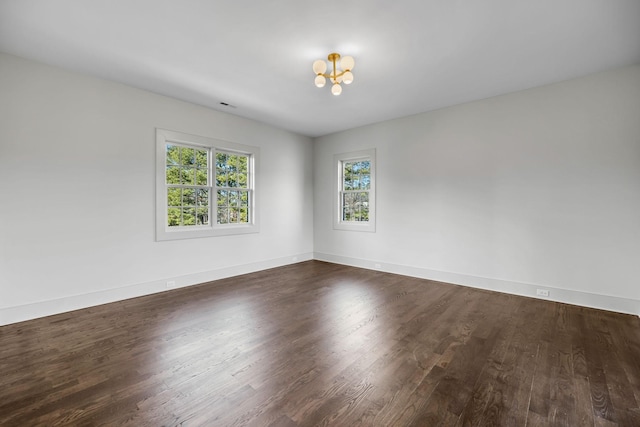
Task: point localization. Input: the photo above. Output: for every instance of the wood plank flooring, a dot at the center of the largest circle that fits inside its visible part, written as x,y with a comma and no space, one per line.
323,344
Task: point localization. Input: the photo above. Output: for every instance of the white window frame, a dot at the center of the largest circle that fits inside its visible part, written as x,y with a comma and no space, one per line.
163,231
338,160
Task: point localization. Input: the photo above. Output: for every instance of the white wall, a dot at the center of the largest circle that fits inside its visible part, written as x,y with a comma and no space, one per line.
77,159
539,188
535,189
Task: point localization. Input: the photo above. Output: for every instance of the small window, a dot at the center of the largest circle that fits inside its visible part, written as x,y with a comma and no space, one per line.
205,187
355,198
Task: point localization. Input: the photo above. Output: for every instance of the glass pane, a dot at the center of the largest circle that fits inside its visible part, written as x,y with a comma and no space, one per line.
233,198
173,217
232,170
173,155
348,199
202,217
242,180
346,214
221,160
348,168
234,214
203,198
353,200
223,216
364,212
365,182
348,184
233,163
221,177
173,175
355,182
174,197
243,166
348,203
201,176
201,158
365,167
188,176
362,207
188,216
243,171
244,215
187,156
189,197
244,198
232,179
223,198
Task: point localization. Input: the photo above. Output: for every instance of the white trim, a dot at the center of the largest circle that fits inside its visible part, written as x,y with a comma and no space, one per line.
568,296
44,308
338,224
163,232
15,314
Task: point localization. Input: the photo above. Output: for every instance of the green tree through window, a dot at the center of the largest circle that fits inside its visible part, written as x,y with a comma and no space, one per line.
232,189
356,183
187,180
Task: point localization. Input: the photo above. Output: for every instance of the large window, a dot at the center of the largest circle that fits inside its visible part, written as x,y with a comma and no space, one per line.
355,191
204,187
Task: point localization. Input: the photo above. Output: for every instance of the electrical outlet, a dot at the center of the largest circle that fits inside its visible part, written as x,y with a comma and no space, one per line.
542,292
171,284
378,266
294,259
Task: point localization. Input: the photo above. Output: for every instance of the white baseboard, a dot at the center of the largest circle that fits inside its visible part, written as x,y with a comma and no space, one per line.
585,299
35,310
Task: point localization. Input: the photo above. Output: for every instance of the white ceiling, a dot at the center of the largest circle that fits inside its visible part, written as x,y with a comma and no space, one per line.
411,56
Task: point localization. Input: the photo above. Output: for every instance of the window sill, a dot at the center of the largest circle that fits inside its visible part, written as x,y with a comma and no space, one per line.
179,233
355,226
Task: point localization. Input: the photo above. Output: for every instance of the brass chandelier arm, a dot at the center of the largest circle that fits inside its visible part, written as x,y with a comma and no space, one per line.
333,76
333,57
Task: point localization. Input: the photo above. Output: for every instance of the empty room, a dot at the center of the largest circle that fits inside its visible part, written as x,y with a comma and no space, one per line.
285,213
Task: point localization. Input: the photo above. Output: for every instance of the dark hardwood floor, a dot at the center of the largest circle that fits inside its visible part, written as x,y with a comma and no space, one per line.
323,344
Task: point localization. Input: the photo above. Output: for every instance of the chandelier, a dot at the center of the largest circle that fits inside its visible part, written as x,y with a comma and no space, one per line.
336,75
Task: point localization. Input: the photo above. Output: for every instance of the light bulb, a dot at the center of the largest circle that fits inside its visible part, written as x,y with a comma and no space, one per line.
347,63
347,78
319,67
320,81
336,89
